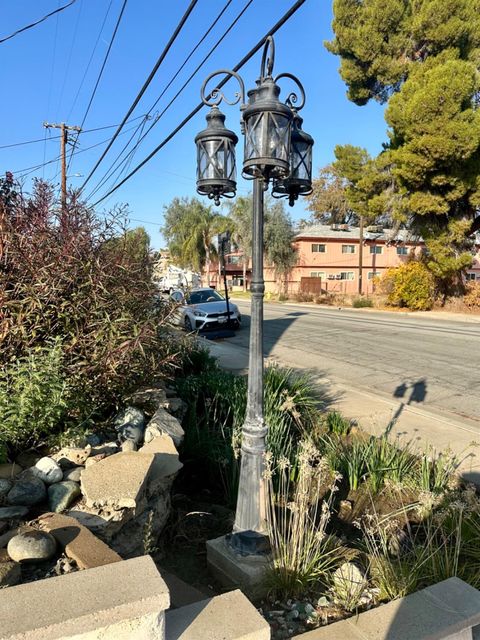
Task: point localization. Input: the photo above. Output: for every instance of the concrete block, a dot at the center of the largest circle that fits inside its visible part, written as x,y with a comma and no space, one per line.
118,481
235,571
119,601
79,543
230,616
436,612
335,631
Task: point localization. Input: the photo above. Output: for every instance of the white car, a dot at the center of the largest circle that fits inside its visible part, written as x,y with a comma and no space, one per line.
205,309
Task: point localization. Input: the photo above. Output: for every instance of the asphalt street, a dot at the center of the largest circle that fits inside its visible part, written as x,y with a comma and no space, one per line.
431,364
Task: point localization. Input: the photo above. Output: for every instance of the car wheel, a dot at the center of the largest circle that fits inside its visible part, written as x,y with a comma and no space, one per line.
188,325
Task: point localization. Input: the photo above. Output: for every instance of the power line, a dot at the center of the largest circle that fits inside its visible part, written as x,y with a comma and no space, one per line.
93,146
108,126
90,59
37,22
99,77
110,171
242,62
145,86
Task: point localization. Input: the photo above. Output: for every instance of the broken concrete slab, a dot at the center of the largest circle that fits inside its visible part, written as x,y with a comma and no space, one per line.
119,481
79,543
162,422
166,462
149,397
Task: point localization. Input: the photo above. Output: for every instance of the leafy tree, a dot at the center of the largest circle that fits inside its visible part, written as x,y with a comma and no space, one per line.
421,56
241,214
279,237
189,230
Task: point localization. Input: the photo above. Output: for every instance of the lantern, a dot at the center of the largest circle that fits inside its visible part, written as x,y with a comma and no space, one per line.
299,181
266,123
216,168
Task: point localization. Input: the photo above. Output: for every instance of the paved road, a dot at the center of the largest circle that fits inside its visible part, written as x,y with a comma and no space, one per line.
432,364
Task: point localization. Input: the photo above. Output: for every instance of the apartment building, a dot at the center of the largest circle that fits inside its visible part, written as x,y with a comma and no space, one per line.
328,257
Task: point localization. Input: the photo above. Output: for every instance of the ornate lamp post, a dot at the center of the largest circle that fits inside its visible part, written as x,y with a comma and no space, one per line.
276,151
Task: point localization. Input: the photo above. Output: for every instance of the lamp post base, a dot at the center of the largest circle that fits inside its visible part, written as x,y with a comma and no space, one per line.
238,570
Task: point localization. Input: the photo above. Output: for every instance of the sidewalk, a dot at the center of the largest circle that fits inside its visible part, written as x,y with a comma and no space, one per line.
448,316
374,412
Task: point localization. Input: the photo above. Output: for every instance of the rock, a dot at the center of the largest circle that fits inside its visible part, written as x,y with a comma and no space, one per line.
27,491
177,407
108,448
79,543
150,397
130,432
5,486
62,494
31,546
398,543
171,392
131,416
11,513
3,526
118,481
129,445
165,463
94,440
10,573
162,422
73,474
47,470
72,456
94,459
348,584
9,470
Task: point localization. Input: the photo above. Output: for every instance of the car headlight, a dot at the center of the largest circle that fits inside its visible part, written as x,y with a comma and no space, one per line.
200,314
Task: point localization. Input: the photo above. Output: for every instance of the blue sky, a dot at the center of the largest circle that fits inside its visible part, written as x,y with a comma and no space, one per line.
43,68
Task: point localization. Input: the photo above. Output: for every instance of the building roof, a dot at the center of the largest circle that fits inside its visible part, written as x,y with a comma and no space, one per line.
345,232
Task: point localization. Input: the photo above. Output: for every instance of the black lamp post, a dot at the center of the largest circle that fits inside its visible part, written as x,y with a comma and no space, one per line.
276,150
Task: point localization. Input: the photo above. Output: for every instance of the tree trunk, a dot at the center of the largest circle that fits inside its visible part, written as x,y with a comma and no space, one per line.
207,259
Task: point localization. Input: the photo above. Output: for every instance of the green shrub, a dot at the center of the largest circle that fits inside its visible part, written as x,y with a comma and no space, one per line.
361,302
410,285
337,423
86,282
33,396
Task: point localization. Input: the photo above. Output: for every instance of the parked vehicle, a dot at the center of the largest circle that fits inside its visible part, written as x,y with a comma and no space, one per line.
204,310
176,278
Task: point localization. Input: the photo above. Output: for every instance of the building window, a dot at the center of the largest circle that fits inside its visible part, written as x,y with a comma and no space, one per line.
318,274
234,259
402,251
346,275
470,276
372,274
318,248
376,249
348,248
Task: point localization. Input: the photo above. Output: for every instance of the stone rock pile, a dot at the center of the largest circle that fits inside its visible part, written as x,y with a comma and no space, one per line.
116,489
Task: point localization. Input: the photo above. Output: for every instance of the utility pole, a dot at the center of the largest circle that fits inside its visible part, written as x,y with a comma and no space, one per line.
360,259
64,129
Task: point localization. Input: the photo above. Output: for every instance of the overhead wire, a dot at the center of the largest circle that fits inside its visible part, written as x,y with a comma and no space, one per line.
90,59
37,22
69,60
147,82
99,77
110,171
194,111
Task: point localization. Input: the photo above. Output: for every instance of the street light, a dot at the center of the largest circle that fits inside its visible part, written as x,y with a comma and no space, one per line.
275,150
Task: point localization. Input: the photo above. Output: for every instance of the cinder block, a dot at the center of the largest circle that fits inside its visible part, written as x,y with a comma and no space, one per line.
120,601
230,616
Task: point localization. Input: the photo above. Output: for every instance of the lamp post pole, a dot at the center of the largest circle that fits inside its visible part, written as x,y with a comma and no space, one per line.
250,514
278,152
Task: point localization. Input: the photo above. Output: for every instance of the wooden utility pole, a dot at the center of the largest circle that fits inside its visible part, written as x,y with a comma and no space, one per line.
64,129
360,259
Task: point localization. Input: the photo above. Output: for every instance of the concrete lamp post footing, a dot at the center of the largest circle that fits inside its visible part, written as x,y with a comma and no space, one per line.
234,570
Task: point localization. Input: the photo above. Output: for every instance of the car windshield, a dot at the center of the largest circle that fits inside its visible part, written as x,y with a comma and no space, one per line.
200,297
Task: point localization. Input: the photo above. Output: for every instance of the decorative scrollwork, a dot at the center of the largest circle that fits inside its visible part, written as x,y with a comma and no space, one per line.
292,97
215,96
269,48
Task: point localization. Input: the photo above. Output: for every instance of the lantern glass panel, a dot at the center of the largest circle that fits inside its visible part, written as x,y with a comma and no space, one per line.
301,161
